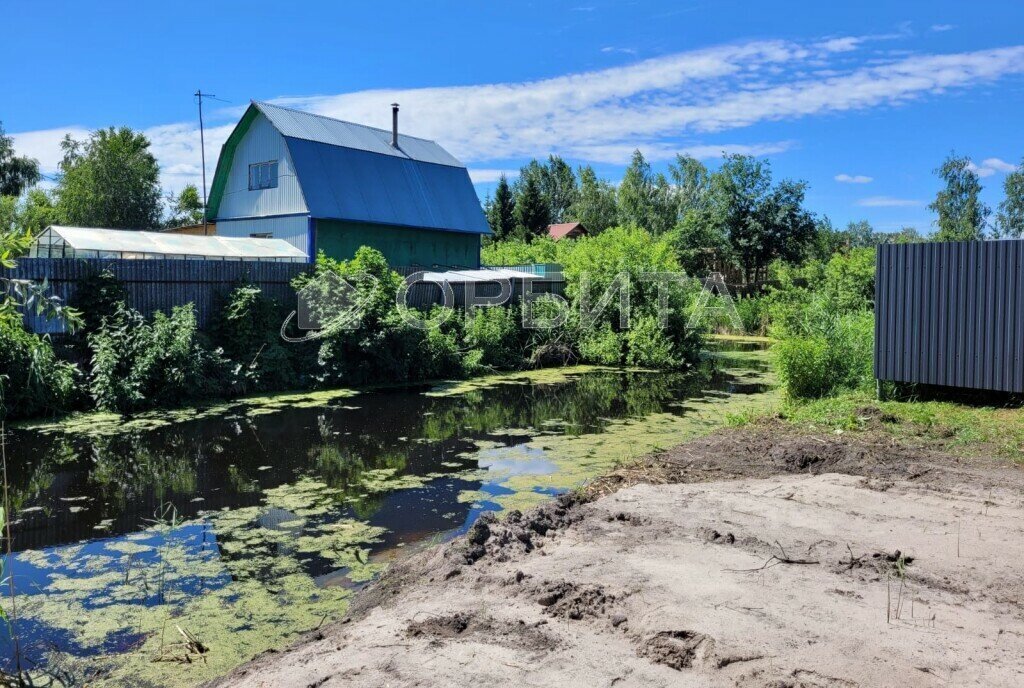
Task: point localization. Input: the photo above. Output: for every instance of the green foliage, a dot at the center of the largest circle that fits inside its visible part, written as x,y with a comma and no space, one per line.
498,337
521,252
594,205
649,345
594,265
33,381
500,210
821,314
110,180
555,181
753,312
99,295
139,364
532,214
602,345
962,214
186,207
834,355
645,199
17,173
247,331
1010,218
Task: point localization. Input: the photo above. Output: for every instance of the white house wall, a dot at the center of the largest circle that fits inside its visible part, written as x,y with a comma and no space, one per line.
294,229
261,143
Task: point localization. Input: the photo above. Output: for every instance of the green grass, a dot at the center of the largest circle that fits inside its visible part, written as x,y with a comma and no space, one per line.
948,425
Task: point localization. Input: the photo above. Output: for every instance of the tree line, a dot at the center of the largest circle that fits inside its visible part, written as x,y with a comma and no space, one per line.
736,215
111,179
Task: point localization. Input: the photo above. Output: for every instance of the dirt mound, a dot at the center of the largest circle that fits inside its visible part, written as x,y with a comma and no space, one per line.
574,601
483,628
678,649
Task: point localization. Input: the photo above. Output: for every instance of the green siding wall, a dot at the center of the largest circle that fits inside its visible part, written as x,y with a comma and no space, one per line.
404,246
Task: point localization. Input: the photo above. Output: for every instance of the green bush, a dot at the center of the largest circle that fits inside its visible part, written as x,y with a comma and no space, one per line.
602,345
753,312
836,356
648,344
139,364
498,336
33,381
247,331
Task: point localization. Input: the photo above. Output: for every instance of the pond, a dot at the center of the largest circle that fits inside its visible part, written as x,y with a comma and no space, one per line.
245,525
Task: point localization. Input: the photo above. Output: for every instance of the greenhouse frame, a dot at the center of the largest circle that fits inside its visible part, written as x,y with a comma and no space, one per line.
92,242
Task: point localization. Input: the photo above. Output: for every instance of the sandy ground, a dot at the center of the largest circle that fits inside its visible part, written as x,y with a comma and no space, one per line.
752,560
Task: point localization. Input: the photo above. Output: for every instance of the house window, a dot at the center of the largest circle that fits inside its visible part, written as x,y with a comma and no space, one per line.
262,235
263,175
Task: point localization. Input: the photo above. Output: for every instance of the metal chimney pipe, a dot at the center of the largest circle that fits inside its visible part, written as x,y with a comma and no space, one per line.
394,125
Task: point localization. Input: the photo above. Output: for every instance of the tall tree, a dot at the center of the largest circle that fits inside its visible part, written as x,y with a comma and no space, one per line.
501,210
646,199
962,214
110,180
1010,218
17,173
556,182
788,228
595,206
531,210
186,207
860,234
692,182
739,189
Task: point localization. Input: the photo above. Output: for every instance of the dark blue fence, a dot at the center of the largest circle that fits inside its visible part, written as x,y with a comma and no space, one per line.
951,314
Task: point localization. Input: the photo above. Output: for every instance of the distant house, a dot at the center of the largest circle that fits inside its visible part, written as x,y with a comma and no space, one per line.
566,230
322,184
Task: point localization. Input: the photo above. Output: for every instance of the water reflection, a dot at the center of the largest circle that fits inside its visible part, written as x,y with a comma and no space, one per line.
277,516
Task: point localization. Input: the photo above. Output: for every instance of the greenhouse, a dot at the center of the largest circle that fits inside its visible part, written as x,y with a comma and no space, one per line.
91,242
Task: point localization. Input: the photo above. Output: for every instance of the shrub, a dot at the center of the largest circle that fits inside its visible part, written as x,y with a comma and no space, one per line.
835,356
753,312
32,380
98,296
601,345
497,334
138,364
648,344
247,331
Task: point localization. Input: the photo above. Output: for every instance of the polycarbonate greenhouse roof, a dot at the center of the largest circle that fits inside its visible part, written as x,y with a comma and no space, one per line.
81,242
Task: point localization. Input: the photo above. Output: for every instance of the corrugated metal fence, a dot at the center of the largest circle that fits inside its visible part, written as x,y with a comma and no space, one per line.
159,285
951,314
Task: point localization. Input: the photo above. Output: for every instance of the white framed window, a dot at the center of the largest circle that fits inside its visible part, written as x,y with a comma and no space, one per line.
263,175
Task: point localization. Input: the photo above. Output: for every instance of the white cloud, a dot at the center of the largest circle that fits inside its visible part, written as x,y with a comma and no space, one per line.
888,202
483,176
662,106
942,27
853,179
990,166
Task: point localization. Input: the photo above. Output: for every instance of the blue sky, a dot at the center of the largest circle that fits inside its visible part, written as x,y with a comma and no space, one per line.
877,91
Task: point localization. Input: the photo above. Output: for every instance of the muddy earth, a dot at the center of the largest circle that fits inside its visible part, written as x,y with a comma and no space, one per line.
756,557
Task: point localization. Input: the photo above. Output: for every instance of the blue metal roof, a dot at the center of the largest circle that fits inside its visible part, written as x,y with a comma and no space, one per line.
352,183
297,124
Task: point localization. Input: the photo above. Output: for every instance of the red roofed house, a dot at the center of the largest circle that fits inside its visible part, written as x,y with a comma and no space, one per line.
566,230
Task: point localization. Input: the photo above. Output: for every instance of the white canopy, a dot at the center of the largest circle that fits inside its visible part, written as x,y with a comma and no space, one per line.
92,242
484,275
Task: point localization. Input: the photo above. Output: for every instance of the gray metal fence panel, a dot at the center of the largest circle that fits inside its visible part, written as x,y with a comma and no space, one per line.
159,285
951,314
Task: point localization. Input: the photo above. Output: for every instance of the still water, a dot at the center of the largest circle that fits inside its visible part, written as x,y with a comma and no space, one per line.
246,525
